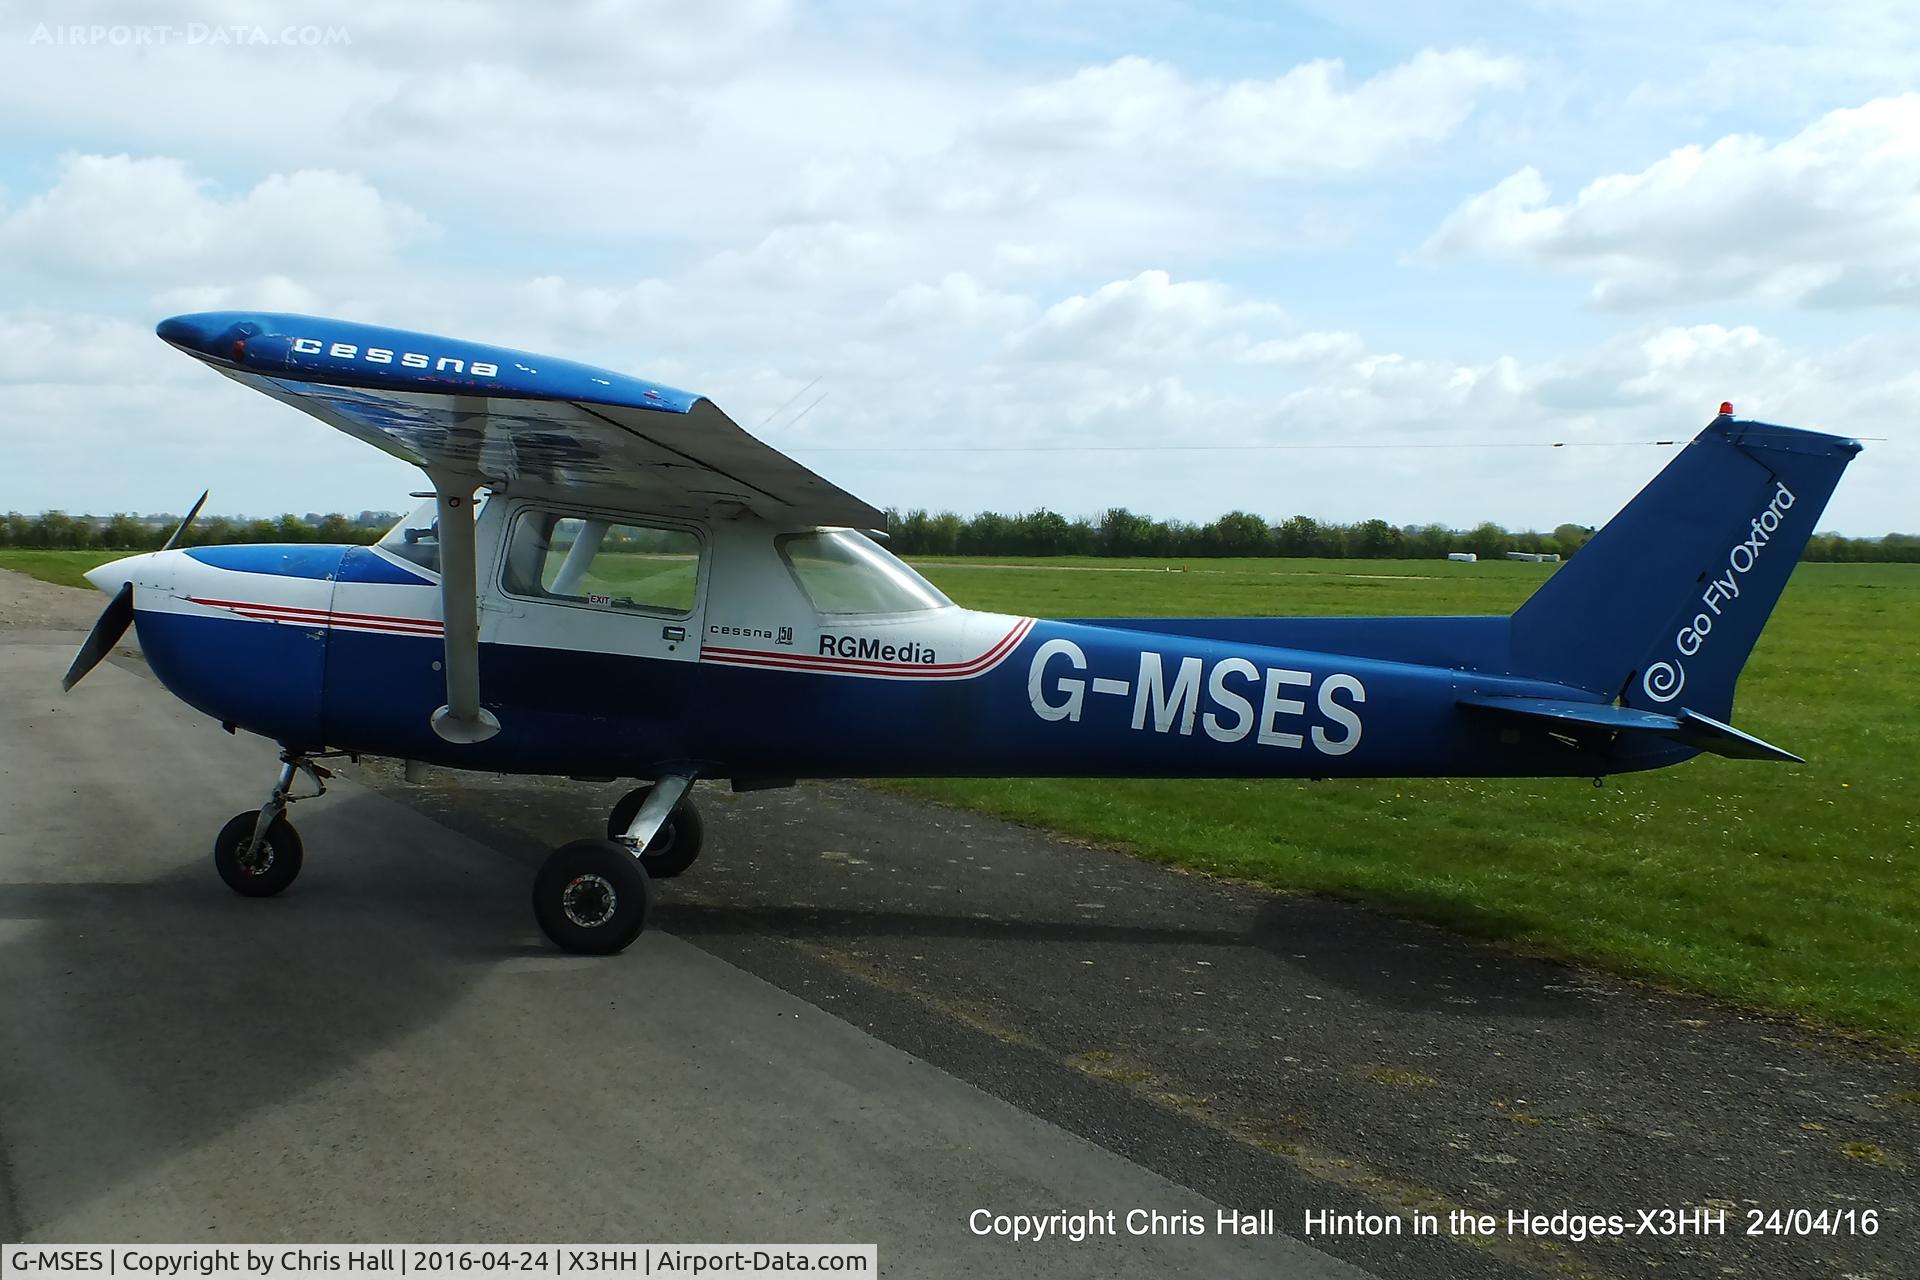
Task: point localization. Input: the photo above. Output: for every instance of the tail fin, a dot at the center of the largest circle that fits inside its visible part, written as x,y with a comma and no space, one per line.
1662,607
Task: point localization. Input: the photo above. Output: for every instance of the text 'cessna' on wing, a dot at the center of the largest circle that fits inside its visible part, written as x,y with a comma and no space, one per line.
387,355
1174,704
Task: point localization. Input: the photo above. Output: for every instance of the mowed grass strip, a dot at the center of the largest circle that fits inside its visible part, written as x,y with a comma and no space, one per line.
63,567
1792,887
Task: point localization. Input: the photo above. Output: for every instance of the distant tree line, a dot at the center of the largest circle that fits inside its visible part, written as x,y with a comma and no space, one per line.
1118,532
56,530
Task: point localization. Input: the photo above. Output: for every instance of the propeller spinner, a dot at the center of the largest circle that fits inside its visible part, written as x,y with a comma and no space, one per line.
117,616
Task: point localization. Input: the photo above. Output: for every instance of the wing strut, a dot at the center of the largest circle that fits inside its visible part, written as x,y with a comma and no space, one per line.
463,719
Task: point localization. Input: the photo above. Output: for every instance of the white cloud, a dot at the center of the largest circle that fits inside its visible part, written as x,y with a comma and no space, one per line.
1302,122
553,305
1323,347
151,218
67,349
1827,217
957,301
262,293
1710,55
736,129
1151,317
1638,385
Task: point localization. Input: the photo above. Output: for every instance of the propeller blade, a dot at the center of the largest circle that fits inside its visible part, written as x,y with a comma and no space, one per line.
106,633
179,532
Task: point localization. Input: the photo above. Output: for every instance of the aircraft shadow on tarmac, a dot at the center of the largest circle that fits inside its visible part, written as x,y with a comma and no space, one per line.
1385,962
759,847
145,1018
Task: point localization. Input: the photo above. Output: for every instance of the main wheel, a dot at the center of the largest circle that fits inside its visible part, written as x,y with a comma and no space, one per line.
674,846
592,897
269,868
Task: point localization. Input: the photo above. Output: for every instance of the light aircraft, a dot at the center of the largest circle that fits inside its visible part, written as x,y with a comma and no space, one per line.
611,579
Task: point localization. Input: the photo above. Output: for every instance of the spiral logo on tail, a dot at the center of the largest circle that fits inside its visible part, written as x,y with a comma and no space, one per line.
1664,681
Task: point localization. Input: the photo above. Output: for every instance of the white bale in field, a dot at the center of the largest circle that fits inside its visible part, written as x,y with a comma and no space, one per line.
1462,557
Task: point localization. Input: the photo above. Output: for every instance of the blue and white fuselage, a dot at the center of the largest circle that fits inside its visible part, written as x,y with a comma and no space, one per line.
340,647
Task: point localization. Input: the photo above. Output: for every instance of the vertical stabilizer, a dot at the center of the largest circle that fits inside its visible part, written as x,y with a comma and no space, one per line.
1663,605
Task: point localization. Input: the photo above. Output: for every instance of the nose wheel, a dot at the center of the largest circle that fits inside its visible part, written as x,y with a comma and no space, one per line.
258,853
257,868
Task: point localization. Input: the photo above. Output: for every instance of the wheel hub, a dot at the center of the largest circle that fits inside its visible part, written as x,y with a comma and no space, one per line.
260,861
589,901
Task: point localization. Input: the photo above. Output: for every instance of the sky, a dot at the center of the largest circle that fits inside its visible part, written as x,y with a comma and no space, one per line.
1020,247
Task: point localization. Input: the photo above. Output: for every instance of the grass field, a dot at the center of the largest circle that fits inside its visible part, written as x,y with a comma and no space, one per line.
1792,887
1788,887
63,567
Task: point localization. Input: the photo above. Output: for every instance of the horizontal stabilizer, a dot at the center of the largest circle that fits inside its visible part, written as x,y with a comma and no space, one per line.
1703,733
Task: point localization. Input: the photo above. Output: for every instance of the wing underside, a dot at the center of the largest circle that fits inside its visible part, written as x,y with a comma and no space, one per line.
516,420
690,463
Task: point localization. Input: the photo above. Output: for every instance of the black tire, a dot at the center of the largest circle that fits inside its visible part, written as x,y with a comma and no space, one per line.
273,865
592,897
674,846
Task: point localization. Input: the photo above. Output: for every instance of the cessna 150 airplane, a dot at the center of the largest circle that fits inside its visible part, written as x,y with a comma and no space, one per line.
612,579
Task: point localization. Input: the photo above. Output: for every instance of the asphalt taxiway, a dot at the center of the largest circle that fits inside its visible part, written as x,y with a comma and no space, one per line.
391,1052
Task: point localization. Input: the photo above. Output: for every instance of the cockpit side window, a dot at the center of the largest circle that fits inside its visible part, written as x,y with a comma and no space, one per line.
603,564
845,572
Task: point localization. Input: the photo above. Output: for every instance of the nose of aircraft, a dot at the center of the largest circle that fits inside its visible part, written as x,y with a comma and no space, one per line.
114,574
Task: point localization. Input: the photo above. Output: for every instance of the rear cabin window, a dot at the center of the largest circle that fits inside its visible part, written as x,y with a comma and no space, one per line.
846,572
603,564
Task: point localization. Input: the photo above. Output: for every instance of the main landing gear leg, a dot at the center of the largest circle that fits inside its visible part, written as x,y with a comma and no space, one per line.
258,853
666,837
593,897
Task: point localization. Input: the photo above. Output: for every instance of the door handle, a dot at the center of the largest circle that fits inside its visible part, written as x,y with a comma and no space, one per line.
673,633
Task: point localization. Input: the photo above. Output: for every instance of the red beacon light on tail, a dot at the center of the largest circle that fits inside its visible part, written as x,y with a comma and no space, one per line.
1726,408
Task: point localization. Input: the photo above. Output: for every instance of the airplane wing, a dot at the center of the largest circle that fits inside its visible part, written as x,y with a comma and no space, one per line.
472,416
515,419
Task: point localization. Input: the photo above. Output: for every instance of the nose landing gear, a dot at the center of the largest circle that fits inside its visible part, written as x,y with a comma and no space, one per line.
258,853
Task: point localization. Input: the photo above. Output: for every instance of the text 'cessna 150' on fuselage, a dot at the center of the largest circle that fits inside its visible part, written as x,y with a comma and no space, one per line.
612,579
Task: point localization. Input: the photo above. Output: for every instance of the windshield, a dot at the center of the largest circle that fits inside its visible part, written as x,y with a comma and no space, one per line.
417,537
847,572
